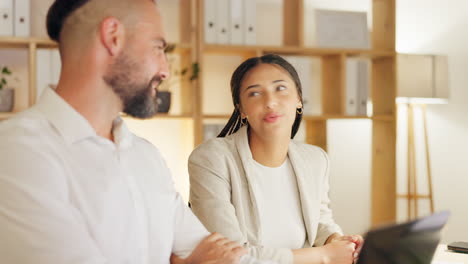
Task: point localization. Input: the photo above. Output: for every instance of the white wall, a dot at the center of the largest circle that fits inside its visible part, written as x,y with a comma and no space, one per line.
436,26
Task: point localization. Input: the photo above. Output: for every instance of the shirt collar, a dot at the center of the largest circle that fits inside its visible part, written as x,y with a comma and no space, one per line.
71,125
122,135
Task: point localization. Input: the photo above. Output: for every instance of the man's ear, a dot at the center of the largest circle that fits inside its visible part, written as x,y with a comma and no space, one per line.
112,32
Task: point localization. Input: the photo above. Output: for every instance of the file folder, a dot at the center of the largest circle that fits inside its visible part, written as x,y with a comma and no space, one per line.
22,18
6,17
237,22
250,16
210,21
222,21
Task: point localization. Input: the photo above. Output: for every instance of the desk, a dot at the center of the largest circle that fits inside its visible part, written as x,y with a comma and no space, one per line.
443,256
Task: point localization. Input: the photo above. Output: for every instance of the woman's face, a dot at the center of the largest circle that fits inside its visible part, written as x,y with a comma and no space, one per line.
269,99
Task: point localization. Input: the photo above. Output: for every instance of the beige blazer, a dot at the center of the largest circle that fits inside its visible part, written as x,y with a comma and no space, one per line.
223,189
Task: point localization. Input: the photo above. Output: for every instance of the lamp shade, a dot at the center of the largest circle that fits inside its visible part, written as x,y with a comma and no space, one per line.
422,77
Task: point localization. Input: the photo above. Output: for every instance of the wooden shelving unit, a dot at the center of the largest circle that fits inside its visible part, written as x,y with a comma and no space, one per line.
382,56
4,115
383,84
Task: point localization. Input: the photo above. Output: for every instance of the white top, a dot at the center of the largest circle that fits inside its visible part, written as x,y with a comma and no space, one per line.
280,213
69,196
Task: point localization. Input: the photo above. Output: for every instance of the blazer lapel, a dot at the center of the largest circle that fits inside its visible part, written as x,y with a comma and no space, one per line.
301,167
242,145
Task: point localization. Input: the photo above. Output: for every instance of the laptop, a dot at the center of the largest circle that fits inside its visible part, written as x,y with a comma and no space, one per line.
413,242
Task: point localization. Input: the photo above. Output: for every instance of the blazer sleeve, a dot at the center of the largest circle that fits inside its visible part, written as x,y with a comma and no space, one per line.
210,199
327,225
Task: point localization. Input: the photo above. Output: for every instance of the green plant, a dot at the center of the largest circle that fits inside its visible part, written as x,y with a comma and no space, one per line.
3,81
178,74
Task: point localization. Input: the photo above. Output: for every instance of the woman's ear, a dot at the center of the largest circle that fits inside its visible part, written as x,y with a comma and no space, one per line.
239,108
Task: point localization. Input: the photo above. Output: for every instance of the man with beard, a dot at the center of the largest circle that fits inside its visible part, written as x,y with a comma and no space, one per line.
75,185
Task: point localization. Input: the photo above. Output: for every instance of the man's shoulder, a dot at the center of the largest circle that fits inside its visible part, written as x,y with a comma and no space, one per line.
27,125
25,149
25,134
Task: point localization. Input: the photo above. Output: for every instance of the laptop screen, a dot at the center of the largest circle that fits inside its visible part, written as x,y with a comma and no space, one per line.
412,242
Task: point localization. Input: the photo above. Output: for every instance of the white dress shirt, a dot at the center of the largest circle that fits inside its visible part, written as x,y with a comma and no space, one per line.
69,196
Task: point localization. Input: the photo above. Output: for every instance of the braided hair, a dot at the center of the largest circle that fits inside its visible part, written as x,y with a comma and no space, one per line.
235,121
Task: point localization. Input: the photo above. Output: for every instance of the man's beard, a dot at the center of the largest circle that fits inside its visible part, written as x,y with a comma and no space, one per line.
135,95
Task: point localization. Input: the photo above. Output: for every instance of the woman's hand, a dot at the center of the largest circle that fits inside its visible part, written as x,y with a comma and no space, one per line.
338,251
334,252
358,240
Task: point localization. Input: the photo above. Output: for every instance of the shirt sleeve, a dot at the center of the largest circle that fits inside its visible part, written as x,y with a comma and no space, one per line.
37,223
189,230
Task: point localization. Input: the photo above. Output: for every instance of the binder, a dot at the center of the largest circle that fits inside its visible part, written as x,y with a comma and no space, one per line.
310,92
22,18
48,67
38,17
222,21
250,16
6,17
237,22
55,67
315,99
43,67
363,86
352,83
210,21
357,86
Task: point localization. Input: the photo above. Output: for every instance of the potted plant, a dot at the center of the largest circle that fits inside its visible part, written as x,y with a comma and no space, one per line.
7,94
176,76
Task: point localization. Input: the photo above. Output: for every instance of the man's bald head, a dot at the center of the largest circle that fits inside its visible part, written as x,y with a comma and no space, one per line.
79,20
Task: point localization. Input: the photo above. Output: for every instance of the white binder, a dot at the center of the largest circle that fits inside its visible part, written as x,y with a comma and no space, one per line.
310,94
43,71
48,67
351,95
357,87
38,18
250,16
210,21
363,86
237,22
56,66
6,17
22,18
222,21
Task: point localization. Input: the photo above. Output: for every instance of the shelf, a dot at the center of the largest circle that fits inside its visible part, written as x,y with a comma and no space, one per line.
161,116
18,42
327,117
182,47
291,50
6,115
318,118
216,116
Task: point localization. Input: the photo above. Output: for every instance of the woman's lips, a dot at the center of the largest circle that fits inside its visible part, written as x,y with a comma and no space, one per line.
272,118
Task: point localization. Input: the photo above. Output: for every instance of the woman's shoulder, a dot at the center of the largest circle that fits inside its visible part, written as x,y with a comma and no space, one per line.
309,150
213,148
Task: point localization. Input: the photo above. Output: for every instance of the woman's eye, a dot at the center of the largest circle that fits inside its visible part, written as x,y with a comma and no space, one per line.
281,88
251,94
